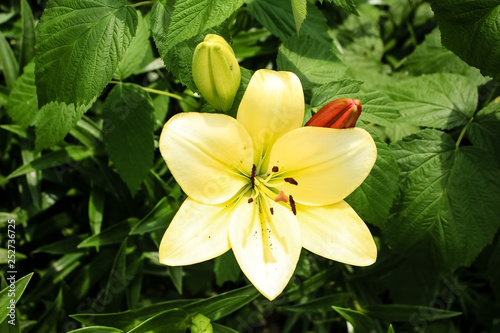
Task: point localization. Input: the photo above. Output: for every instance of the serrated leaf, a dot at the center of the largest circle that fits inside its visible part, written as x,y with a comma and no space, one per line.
55,120
79,45
377,108
431,57
299,10
441,100
132,59
23,103
360,322
277,16
8,299
448,205
313,62
129,116
192,17
348,5
328,92
161,14
471,30
373,199
484,130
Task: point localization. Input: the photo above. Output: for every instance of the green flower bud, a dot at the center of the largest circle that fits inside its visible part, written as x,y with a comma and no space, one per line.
201,324
216,72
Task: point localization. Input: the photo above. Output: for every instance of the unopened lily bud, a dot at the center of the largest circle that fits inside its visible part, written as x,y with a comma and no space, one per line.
201,324
216,72
340,113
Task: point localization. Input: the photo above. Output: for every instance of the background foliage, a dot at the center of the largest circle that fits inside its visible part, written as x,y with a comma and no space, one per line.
87,85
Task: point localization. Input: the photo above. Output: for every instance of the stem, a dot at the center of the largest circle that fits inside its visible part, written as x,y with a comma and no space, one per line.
155,91
142,3
460,137
159,92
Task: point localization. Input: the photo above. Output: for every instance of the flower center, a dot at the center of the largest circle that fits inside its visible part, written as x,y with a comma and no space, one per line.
261,186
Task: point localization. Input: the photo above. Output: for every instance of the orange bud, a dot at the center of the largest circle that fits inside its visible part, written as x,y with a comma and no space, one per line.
340,113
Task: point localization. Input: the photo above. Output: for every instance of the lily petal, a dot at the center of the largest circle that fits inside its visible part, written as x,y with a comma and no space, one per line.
267,247
336,232
327,164
208,154
197,233
272,105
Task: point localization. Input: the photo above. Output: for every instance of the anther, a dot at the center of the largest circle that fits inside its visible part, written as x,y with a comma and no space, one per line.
281,197
250,200
291,181
272,210
292,205
275,169
252,177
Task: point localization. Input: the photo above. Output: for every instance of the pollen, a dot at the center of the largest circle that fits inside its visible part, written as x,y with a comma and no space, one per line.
292,205
291,181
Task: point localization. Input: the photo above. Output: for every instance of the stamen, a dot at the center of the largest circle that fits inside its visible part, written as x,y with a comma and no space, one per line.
281,197
291,181
275,169
272,210
250,200
252,177
292,205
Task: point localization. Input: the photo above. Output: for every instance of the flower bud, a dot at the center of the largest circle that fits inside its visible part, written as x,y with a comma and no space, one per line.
201,324
216,72
340,113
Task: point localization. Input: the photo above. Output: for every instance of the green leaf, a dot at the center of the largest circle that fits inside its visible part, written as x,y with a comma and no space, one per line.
96,329
381,183
78,47
431,57
10,67
299,10
215,307
471,30
321,304
226,268
448,205
56,160
377,108
28,36
9,296
402,313
55,120
129,117
132,59
360,322
112,235
23,102
161,14
330,91
157,219
115,288
174,321
277,16
348,5
484,131
192,17
97,199
441,100
312,61
64,246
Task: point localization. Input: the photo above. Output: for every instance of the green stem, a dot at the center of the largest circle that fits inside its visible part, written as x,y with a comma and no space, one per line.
155,91
460,137
142,3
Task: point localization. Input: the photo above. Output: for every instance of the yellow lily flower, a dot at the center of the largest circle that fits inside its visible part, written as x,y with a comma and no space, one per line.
265,186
